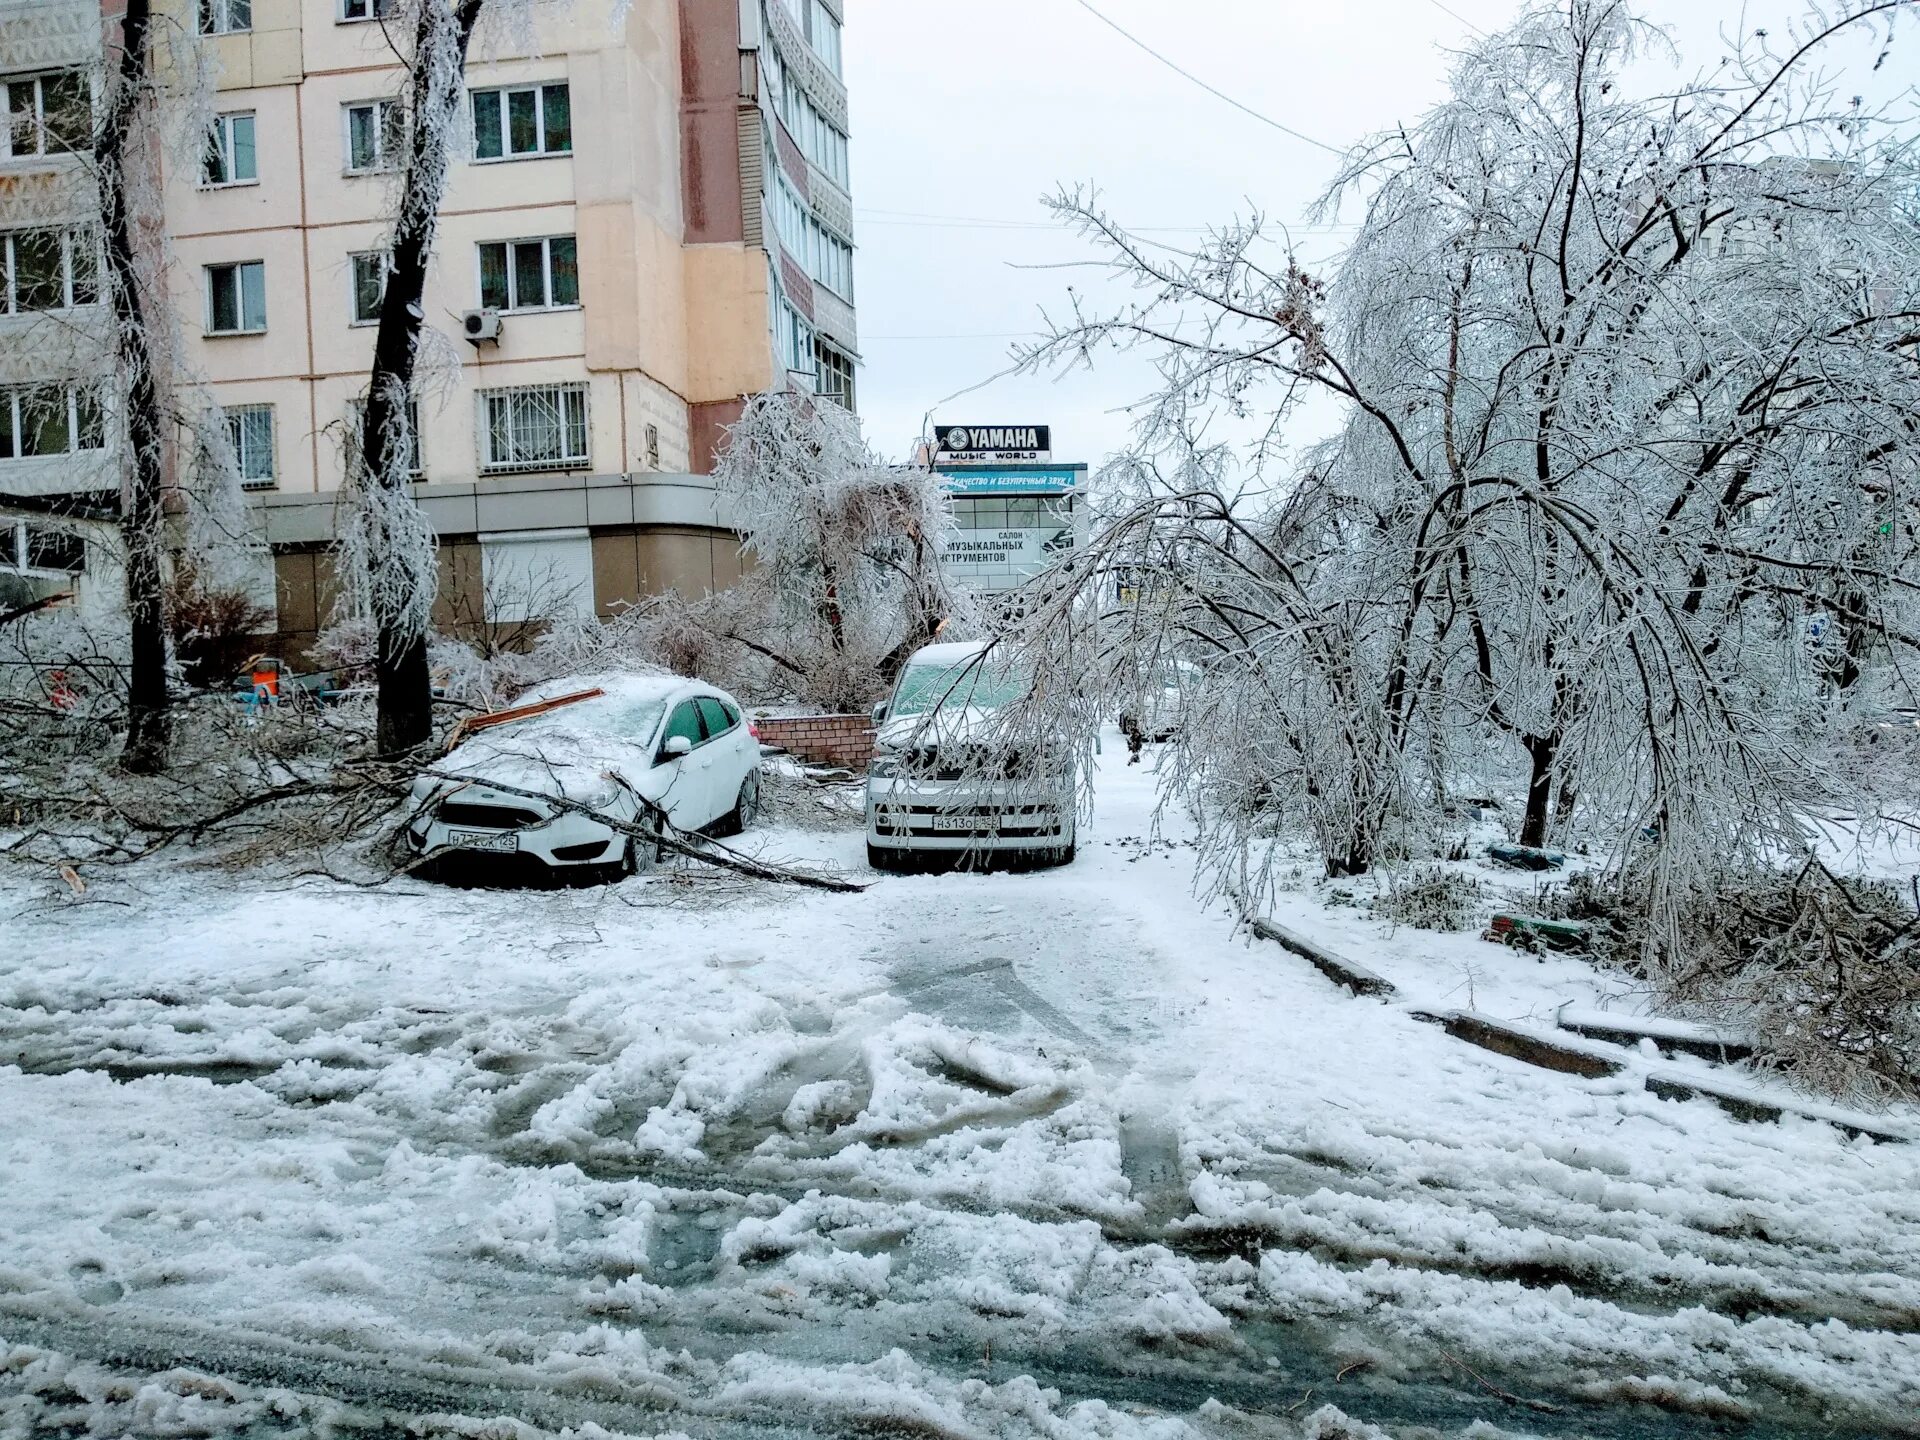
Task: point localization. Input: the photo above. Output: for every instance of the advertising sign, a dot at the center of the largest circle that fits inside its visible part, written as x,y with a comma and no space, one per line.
1002,557
992,444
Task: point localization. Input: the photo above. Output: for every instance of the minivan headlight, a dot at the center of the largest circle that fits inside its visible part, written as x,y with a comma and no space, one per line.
883,766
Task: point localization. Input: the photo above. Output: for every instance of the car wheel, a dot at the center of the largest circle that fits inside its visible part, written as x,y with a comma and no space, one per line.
746,807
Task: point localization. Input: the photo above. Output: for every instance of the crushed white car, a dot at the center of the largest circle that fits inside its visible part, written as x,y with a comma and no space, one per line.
647,746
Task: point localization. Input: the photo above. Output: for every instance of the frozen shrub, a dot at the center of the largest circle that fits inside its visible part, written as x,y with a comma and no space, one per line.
1432,898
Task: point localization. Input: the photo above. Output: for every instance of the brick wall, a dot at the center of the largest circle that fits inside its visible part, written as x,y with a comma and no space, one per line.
845,740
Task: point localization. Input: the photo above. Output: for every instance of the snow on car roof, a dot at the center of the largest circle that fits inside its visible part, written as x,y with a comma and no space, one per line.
620,685
951,653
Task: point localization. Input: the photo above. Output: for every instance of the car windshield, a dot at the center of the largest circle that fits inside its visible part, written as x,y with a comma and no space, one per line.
974,681
629,717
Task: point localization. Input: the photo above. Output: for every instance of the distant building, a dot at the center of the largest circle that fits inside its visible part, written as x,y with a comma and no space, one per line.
651,222
1015,511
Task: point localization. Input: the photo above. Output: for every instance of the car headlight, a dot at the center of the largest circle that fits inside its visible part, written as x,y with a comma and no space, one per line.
600,799
883,766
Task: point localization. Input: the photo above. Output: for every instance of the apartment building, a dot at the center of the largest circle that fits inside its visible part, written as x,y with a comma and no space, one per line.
648,220
59,487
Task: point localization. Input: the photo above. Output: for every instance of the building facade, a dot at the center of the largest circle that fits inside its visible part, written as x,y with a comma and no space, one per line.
646,221
1015,511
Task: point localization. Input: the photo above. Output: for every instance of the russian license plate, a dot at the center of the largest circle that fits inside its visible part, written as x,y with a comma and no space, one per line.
983,823
494,842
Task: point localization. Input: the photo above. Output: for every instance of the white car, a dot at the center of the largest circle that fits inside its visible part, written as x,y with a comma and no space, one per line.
650,744
941,783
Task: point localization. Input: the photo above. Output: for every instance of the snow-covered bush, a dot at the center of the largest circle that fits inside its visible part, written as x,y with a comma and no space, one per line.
1432,898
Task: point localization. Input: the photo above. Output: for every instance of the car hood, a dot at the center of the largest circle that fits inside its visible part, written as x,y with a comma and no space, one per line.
550,759
942,727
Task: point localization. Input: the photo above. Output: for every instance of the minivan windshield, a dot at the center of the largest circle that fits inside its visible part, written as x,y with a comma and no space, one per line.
978,682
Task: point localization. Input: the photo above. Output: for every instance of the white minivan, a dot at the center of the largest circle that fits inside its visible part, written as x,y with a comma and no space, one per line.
942,783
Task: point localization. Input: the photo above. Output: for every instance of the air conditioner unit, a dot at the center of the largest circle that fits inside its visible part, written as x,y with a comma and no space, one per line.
481,326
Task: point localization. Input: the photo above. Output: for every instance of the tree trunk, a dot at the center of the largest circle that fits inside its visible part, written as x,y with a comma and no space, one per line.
404,690
142,512
1542,750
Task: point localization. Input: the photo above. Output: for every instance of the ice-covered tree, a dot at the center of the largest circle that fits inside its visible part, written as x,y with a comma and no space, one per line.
845,579
1621,512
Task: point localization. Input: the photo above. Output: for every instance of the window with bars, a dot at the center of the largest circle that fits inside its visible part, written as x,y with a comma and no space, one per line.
541,274
225,17
237,298
522,121
48,270
250,436
356,434
230,158
55,419
49,114
369,271
534,427
376,135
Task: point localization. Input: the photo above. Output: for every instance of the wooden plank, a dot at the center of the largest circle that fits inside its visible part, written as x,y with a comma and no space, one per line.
476,723
1671,1036
1337,968
1522,1044
1744,1104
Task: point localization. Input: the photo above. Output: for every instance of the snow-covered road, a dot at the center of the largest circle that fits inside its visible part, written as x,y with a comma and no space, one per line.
1050,1154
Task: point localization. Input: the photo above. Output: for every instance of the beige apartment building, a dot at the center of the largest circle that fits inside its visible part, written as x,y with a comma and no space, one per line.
647,222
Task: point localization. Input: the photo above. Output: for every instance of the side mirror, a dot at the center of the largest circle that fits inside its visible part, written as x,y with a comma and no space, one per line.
879,712
676,746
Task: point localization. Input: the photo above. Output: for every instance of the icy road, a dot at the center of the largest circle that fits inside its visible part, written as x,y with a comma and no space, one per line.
1055,1154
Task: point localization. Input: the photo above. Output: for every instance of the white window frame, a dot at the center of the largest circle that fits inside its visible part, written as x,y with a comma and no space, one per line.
221,138
234,417
513,305
14,556
357,12
559,391
41,147
73,242
823,34
14,396
238,267
216,17
381,107
539,89
354,261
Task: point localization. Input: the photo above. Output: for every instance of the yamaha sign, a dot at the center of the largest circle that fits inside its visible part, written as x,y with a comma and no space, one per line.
992,444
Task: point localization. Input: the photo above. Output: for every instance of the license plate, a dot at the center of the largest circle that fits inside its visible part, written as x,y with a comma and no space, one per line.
982,823
494,842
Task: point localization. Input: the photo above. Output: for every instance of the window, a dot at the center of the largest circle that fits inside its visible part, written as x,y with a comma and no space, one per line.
539,427
49,114
356,428
823,33
794,340
364,10
835,379
830,259
716,717
369,284
683,724
26,546
37,420
250,436
376,135
48,270
237,298
230,154
225,17
524,120
529,274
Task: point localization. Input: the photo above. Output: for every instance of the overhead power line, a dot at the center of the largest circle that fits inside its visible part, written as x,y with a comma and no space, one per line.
1218,94
877,216
1458,16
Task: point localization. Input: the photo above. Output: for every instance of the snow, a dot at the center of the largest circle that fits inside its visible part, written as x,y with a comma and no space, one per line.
1061,1153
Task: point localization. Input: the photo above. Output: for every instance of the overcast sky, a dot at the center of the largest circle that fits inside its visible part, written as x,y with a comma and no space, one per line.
967,112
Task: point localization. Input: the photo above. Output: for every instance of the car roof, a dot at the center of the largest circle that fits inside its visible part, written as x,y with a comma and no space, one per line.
953,652
640,687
